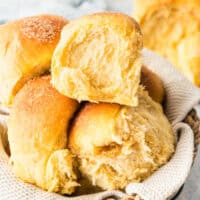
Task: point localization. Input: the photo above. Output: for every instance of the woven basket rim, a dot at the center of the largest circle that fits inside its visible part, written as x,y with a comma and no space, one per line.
193,121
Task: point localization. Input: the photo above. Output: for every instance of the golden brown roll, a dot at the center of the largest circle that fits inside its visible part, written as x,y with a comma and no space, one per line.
26,48
172,28
98,59
118,144
37,132
152,84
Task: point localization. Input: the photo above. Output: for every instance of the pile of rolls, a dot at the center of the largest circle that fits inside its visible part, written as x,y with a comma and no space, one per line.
172,28
84,111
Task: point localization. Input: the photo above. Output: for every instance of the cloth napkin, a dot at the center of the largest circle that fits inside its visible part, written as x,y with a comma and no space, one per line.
181,97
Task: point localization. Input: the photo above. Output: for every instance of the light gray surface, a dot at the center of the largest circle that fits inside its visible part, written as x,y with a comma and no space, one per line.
12,9
191,190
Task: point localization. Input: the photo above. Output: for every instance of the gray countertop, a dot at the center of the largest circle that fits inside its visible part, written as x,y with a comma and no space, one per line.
191,190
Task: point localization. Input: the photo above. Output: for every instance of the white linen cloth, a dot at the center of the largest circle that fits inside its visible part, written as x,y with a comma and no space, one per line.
181,97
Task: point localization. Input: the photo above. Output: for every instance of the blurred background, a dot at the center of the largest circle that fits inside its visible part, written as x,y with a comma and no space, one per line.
71,9
12,9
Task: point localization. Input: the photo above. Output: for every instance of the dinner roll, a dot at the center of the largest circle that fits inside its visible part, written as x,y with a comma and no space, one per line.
98,59
26,48
172,28
37,132
118,144
153,84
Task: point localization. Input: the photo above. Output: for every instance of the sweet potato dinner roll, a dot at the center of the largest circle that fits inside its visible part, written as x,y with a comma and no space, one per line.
98,59
153,84
118,144
172,28
37,132
26,48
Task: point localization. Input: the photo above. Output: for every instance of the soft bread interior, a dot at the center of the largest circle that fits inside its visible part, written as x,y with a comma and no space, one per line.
61,172
138,141
98,59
